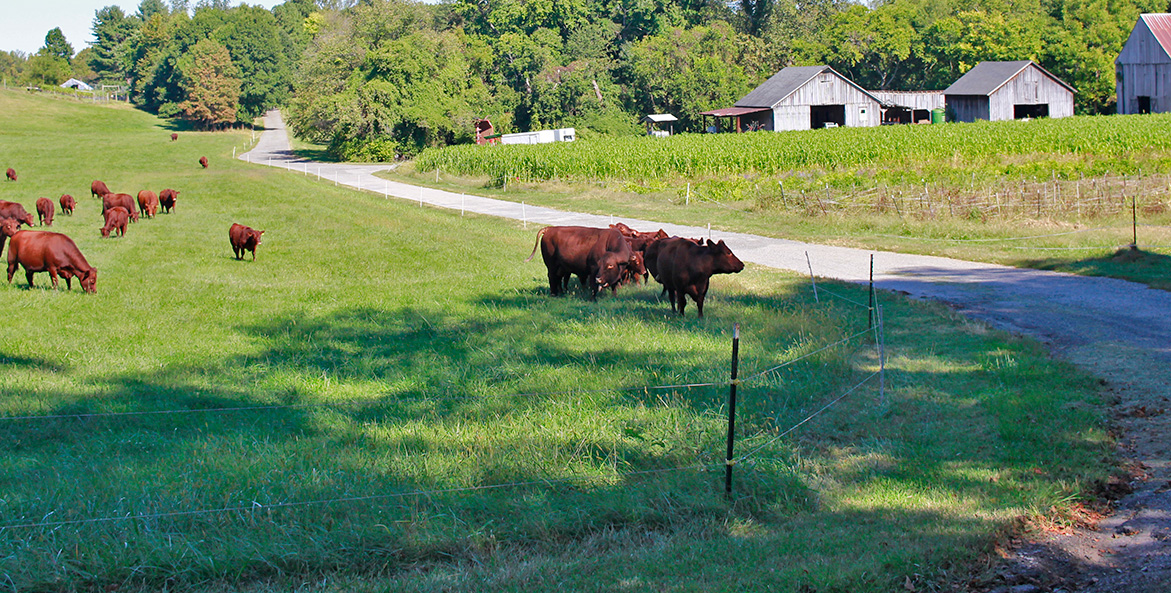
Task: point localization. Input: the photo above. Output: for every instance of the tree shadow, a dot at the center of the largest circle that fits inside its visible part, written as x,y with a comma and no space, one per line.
1136,265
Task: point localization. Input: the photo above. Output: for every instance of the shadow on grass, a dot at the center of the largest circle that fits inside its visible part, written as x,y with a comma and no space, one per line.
1136,265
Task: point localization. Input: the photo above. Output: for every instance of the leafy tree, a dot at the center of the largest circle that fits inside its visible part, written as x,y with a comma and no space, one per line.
56,46
149,8
111,28
211,84
254,40
870,47
80,66
45,69
12,65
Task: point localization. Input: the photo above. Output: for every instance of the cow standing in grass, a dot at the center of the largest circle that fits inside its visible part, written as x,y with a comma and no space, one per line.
45,211
203,161
16,212
167,199
685,268
68,204
98,188
44,251
11,173
599,257
116,219
124,200
243,239
148,203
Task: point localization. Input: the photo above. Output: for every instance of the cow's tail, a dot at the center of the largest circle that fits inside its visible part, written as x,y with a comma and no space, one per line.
539,233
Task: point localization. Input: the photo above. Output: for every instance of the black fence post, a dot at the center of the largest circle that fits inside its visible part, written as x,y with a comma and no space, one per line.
870,301
728,462
1133,223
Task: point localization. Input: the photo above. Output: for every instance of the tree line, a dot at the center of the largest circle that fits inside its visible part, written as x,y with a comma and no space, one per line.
379,79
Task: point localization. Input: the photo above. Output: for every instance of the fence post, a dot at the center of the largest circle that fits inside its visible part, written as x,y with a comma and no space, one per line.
811,278
728,462
870,302
881,358
1133,223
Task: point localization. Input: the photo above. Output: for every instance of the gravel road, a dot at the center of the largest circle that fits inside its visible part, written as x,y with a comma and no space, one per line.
1119,331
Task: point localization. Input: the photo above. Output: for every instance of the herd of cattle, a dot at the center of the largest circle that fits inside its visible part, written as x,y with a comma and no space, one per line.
608,258
57,254
600,258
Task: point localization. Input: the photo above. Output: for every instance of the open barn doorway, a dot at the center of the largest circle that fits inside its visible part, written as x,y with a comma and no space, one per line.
820,115
1030,111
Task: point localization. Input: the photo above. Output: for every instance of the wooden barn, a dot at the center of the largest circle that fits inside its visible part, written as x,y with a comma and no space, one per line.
999,91
803,98
908,107
1142,72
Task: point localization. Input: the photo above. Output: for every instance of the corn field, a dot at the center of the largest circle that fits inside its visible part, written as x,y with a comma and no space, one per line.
1067,149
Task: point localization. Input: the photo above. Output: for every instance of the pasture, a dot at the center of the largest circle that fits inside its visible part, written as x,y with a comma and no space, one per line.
387,399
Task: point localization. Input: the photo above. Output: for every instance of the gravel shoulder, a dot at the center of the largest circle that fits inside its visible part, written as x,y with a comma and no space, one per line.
1117,330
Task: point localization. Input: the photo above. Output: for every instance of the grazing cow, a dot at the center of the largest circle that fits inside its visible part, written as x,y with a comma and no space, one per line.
174,136
44,251
244,239
116,219
68,204
167,199
45,211
685,267
599,257
148,203
124,200
638,240
16,212
203,161
8,227
98,189
11,173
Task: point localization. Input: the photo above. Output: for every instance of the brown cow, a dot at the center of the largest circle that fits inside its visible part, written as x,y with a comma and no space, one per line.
8,227
11,173
116,219
124,200
174,136
98,189
16,212
68,204
167,199
244,239
44,251
148,203
684,268
45,211
203,161
599,257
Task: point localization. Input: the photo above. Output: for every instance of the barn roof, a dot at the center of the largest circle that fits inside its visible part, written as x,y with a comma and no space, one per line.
987,77
659,118
1160,26
784,83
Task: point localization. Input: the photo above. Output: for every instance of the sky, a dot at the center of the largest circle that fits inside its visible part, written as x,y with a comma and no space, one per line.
26,22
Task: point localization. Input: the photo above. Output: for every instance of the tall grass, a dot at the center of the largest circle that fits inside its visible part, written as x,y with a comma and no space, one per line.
387,398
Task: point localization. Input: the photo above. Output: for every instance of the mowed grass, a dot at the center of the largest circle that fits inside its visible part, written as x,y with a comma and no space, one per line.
386,399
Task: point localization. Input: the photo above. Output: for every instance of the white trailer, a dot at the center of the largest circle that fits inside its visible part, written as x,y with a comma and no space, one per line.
540,136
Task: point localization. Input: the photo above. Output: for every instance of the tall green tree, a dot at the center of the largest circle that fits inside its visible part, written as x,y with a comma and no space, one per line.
111,28
257,45
56,45
211,84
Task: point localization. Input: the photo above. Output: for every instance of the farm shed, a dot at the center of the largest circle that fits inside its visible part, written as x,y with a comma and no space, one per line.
1142,71
908,107
999,91
74,83
654,120
805,97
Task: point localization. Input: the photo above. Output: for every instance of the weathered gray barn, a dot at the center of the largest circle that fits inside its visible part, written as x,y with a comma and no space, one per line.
908,107
998,91
1142,72
805,97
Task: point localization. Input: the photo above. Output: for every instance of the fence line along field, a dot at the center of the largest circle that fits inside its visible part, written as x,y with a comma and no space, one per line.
345,410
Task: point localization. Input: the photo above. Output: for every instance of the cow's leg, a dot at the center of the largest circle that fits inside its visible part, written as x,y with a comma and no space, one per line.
698,293
554,282
11,269
28,276
681,301
53,277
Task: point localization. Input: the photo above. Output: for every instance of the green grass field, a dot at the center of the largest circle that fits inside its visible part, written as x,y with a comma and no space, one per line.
386,400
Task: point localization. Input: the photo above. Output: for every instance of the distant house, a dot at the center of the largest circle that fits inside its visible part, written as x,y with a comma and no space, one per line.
802,98
1142,72
998,91
74,83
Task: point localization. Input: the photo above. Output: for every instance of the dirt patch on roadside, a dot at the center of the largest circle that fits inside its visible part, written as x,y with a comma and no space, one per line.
1127,549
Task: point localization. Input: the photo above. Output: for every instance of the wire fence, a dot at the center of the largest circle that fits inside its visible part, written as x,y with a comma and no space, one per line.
256,506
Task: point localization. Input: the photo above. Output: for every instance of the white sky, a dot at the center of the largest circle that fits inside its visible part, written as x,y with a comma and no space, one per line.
25,22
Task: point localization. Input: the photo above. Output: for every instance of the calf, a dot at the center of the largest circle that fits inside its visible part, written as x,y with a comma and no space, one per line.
148,203
599,257
167,199
124,200
98,189
67,204
116,219
11,173
44,251
244,239
685,268
16,212
45,211
203,161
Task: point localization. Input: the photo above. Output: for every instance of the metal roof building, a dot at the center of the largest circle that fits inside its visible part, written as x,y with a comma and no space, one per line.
1008,90
1142,71
805,97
